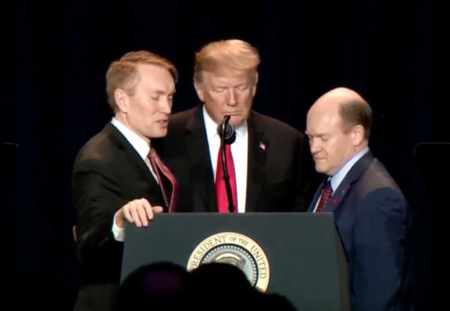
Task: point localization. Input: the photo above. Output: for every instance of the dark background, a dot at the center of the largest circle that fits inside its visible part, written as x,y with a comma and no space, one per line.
52,93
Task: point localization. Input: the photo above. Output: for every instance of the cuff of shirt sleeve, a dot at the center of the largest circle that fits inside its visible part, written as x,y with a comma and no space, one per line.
119,233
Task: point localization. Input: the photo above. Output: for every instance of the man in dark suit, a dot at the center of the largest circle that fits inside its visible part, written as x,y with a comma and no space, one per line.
269,165
118,177
372,216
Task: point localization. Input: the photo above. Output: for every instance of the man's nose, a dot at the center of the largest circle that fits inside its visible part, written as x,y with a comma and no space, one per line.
314,146
166,106
232,98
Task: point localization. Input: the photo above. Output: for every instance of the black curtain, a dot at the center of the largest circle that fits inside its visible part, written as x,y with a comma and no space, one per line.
52,92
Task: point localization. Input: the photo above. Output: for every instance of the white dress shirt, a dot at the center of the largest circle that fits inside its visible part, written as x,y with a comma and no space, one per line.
340,175
143,148
239,151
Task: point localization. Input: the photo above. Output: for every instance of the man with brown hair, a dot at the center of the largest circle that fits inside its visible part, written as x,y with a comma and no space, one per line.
268,162
118,177
371,213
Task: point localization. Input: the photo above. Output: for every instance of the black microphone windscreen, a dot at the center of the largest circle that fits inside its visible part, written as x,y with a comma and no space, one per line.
228,130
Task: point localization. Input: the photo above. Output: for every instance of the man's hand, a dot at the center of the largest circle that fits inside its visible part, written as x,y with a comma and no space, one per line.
139,212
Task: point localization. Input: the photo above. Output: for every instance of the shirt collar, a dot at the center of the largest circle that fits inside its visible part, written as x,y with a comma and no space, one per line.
337,178
142,147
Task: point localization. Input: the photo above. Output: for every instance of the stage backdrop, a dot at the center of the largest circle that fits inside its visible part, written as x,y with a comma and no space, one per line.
52,98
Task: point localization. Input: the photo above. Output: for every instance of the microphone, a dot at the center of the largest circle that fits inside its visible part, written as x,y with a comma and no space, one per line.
226,131
227,137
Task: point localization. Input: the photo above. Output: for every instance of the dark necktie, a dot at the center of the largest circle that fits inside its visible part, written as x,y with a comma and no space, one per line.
325,197
158,166
221,191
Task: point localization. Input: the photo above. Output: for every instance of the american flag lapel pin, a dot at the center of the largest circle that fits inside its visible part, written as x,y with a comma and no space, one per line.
262,146
335,201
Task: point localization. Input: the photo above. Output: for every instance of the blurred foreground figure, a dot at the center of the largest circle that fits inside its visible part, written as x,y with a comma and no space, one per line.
228,289
160,286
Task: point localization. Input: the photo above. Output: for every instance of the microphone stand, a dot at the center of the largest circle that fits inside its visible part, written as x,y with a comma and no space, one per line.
226,177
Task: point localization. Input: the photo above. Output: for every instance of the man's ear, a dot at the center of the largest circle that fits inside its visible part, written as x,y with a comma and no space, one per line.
121,99
357,135
254,87
199,89
256,77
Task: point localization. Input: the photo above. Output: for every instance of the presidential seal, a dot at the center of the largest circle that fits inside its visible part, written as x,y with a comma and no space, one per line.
236,249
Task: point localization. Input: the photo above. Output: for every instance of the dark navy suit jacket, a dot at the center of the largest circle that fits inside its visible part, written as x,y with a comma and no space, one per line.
373,220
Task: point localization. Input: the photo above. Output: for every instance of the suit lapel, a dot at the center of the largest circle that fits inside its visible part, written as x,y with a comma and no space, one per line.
316,196
256,167
352,176
338,196
122,143
198,153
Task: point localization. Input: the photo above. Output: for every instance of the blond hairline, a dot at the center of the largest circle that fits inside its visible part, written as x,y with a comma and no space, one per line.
124,73
226,57
253,73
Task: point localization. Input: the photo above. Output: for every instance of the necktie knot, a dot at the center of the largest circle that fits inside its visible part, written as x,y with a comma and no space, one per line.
151,153
328,186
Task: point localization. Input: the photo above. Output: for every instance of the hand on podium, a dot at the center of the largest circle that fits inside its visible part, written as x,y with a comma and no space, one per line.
139,212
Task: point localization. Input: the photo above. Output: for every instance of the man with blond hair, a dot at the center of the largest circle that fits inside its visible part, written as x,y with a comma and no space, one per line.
118,177
371,213
268,161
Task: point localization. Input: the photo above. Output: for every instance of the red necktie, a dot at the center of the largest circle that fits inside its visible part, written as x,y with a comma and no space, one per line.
221,191
326,195
158,166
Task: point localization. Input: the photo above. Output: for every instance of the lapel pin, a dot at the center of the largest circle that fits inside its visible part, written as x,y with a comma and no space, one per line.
262,146
336,201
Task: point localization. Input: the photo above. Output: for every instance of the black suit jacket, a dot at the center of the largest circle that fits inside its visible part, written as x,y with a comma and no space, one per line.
108,173
279,177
